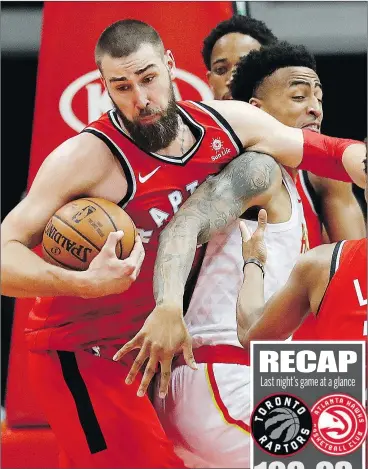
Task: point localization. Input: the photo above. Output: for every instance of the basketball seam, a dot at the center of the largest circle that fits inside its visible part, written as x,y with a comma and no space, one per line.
80,234
59,262
112,222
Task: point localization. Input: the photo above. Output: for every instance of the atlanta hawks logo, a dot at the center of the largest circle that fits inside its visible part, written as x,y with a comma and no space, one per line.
339,424
281,424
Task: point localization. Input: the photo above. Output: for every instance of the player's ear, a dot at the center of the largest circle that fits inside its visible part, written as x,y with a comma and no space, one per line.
255,102
170,63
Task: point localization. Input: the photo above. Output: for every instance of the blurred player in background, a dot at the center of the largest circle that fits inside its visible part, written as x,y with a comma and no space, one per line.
226,44
330,280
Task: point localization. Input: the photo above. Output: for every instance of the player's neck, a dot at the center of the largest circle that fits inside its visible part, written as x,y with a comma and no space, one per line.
181,144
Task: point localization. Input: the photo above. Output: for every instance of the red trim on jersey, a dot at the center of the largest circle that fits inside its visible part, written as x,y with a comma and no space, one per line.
312,221
217,354
344,258
342,313
219,402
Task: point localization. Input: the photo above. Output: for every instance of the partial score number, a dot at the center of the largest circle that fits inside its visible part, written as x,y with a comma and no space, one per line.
300,465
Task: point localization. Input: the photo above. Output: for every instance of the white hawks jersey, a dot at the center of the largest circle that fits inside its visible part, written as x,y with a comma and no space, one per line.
211,316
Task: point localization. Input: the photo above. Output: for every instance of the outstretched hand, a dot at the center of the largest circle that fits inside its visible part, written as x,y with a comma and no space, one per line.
163,335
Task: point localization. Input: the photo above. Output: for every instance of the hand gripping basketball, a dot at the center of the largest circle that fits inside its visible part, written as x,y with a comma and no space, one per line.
107,274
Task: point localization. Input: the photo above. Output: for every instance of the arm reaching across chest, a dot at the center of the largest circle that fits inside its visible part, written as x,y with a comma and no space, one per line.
331,157
248,180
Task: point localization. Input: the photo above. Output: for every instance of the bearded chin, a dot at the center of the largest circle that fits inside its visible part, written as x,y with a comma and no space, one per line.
159,134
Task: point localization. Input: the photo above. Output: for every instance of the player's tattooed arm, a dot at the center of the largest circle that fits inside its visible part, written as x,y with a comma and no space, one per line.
248,180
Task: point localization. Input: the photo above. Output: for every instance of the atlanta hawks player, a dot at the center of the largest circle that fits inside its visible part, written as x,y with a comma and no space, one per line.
330,280
215,440
148,155
219,389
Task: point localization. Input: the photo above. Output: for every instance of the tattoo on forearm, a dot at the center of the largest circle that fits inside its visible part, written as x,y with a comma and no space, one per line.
215,204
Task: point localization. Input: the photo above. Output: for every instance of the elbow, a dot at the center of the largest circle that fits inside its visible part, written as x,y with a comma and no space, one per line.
243,326
6,277
244,338
247,320
6,284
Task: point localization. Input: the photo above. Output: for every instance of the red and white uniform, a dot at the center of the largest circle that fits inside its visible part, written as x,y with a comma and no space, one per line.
314,226
310,202
67,323
217,395
343,311
98,420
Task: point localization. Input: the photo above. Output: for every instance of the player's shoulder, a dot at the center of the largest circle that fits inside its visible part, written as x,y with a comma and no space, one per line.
82,156
313,263
81,147
227,106
217,105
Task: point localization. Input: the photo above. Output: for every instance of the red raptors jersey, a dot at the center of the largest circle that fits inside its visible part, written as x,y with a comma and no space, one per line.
343,311
157,186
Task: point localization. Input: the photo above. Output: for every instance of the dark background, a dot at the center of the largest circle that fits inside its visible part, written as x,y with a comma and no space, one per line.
344,79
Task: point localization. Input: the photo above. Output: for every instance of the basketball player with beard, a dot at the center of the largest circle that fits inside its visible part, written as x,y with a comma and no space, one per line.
330,280
148,155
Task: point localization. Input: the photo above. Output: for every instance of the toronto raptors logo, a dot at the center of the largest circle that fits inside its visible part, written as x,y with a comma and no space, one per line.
85,99
281,424
339,424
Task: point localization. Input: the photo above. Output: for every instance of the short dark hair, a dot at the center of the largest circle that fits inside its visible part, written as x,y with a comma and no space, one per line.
257,65
124,37
237,24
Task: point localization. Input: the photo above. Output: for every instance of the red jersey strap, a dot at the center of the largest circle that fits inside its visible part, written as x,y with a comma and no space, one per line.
343,251
336,258
335,262
217,354
310,193
218,119
345,254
